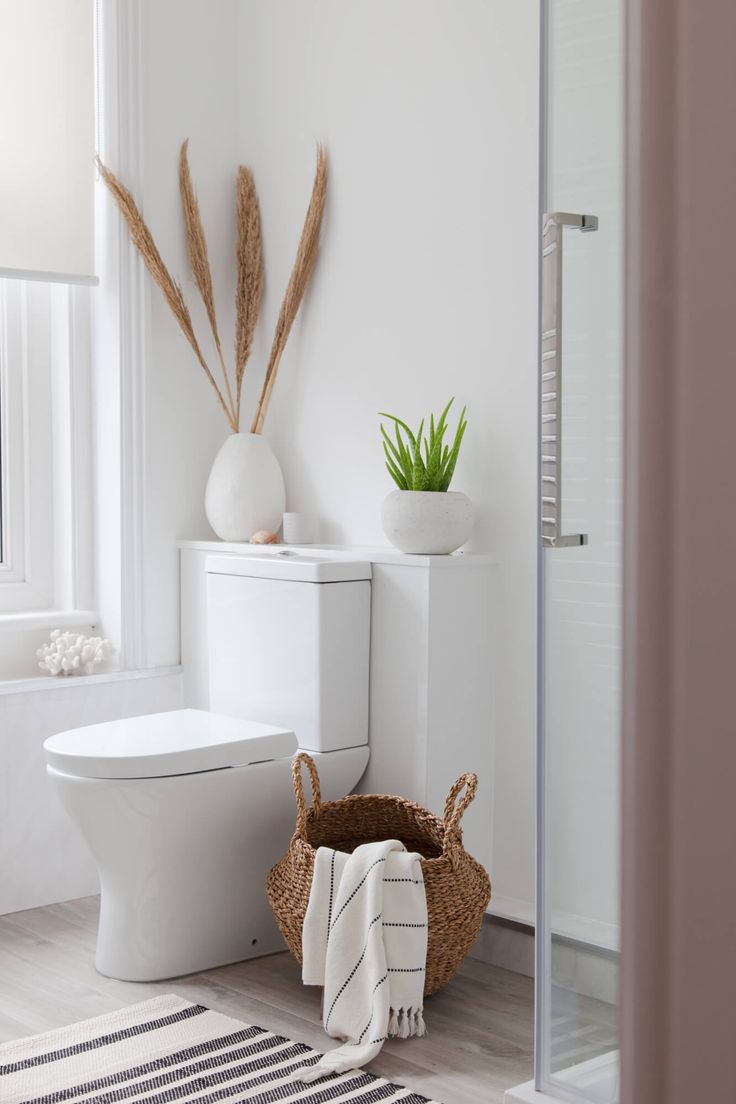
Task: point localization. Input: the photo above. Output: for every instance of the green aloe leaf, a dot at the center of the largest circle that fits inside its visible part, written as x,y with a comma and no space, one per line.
434,461
397,453
396,475
419,473
399,422
442,423
449,470
423,463
390,447
406,461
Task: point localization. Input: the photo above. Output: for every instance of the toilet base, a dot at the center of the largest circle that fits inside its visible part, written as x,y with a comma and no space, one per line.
113,959
183,861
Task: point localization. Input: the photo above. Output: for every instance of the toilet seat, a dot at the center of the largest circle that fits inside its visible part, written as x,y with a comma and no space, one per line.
184,741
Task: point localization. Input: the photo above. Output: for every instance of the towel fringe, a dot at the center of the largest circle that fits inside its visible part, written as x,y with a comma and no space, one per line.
405,1023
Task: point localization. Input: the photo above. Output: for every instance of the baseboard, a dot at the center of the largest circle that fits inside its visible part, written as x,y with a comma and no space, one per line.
582,930
578,967
586,970
505,943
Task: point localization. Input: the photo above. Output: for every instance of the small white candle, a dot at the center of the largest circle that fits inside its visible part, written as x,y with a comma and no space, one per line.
299,528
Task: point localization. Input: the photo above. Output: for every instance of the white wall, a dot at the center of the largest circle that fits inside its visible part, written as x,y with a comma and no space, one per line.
426,287
189,81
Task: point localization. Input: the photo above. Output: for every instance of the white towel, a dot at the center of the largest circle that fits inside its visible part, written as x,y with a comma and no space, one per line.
365,939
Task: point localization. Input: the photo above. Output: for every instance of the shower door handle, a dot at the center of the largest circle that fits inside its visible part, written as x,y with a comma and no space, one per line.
550,451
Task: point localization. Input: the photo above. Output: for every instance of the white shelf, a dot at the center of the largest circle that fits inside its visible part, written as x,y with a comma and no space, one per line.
374,554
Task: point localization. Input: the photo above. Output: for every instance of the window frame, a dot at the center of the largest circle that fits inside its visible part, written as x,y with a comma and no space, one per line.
11,445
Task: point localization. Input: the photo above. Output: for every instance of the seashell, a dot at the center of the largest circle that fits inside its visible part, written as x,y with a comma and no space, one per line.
264,537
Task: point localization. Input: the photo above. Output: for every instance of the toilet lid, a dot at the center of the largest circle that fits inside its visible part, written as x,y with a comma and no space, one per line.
161,744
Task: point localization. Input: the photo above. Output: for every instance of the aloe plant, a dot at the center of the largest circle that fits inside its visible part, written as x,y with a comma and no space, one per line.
422,463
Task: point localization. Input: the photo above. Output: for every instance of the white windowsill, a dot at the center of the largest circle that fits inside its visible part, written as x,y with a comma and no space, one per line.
47,619
62,682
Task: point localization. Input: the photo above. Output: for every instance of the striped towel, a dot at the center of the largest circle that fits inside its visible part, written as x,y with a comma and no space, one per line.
365,940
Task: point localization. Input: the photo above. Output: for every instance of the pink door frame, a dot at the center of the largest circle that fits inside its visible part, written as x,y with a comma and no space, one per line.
678,985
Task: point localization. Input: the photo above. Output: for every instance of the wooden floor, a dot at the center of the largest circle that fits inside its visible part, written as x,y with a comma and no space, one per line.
481,1030
480,1040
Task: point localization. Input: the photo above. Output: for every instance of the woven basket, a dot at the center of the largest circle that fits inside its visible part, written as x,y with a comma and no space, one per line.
457,886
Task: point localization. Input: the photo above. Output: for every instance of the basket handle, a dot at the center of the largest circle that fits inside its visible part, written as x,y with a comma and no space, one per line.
454,810
301,802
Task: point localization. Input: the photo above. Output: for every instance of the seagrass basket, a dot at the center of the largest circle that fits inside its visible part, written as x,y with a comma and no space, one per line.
457,887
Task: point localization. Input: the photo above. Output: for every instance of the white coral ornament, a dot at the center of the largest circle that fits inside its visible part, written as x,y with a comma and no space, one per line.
71,653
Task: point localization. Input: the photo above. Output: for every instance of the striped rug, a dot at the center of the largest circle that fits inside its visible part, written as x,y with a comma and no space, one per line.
168,1051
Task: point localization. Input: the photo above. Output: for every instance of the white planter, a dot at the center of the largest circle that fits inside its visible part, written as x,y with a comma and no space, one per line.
428,522
245,490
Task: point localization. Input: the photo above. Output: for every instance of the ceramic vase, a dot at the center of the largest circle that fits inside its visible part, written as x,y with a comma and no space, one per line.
428,522
245,490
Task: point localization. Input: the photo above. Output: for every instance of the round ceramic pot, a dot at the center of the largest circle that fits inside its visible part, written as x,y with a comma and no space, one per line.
429,522
245,490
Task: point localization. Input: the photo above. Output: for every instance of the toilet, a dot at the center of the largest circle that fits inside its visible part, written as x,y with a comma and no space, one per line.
185,812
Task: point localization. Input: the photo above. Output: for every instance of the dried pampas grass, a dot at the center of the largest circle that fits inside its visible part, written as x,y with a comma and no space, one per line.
250,276
302,270
199,260
142,239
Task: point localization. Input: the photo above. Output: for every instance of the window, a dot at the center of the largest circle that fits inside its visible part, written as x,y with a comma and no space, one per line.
71,459
44,435
46,255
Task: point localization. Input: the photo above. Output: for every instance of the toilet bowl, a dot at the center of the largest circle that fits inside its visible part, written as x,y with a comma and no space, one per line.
185,812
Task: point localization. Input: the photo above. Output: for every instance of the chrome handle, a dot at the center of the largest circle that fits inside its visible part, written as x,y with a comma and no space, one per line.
551,371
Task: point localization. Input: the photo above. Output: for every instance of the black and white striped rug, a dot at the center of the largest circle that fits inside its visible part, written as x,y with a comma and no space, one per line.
168,1051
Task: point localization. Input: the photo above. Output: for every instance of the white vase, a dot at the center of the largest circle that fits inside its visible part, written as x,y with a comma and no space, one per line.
428,522
245,490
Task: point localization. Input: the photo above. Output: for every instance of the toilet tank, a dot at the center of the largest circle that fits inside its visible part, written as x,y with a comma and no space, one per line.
289,642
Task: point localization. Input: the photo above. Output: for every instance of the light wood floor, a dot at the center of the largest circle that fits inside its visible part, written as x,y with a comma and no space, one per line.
480,1040
481,1031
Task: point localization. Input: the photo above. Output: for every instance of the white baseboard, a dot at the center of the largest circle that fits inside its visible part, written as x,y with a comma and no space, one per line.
509,945
579,967
584,930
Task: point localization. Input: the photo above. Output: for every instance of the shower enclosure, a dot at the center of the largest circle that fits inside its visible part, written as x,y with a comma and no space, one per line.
580,551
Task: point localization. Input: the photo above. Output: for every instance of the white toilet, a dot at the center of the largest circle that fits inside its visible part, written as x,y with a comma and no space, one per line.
185,812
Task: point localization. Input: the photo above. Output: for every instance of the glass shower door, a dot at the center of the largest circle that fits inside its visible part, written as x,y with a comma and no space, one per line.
580,554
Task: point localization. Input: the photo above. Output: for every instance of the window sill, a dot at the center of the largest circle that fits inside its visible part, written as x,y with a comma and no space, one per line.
59,682
47,619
